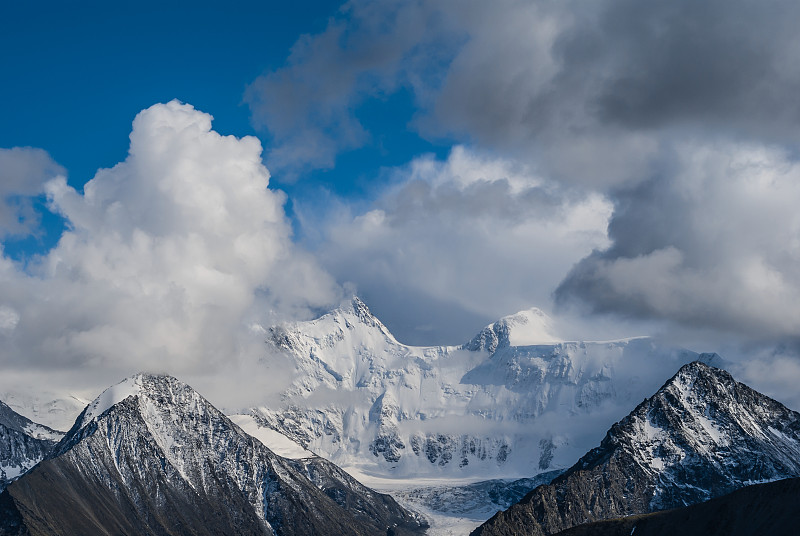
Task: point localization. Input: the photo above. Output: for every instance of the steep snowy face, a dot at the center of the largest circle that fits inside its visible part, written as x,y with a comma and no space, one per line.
152,456
526,328
702,435
23,444
498,405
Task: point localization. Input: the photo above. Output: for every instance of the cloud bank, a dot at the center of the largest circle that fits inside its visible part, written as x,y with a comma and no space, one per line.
716,244
682,116
171,261
648,151
455,237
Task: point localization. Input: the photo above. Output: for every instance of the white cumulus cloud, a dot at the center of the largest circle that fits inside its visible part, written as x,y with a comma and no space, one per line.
169,259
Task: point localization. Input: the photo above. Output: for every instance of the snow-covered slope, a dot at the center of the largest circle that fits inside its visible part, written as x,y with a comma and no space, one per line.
702,435
23,444
56,411
151,456
514,401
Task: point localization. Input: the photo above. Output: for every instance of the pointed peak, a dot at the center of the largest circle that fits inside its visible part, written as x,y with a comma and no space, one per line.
112,396
142,382
698,369
362,311
357,308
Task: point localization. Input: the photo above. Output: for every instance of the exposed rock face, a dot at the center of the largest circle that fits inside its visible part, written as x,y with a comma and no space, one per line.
513,401
150,456
23,444
361,502
772,508
700,436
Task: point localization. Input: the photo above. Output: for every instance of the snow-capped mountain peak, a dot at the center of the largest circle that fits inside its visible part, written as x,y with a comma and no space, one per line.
115,394
512,399
354,311
702,435
161,459
525,328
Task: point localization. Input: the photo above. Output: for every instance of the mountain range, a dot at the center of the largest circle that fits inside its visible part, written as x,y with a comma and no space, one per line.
513,401
152,456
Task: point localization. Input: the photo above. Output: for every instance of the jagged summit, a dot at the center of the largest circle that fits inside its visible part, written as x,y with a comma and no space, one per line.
355,309
701,435
360,309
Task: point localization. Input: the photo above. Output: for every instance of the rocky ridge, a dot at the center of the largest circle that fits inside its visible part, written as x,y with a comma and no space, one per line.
150,456
700,436
770,508
23,444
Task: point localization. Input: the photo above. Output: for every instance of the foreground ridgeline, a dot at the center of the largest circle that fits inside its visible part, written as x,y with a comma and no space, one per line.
761,509
702,435
150,456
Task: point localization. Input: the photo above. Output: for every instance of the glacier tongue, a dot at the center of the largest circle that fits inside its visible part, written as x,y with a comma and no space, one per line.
497,406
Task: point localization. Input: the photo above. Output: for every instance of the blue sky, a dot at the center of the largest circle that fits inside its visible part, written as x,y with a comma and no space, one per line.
75,75
628,168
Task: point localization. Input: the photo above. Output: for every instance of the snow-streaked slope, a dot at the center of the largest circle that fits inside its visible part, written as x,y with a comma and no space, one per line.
272,439
497,406
702,435
23,444
152,456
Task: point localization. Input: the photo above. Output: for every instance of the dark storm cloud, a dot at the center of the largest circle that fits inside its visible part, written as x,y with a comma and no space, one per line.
593,90
589,89
724,64
713,243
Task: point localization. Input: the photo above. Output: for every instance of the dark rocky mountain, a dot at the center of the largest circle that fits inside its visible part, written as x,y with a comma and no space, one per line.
702,435
23,444
150,456
772,508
